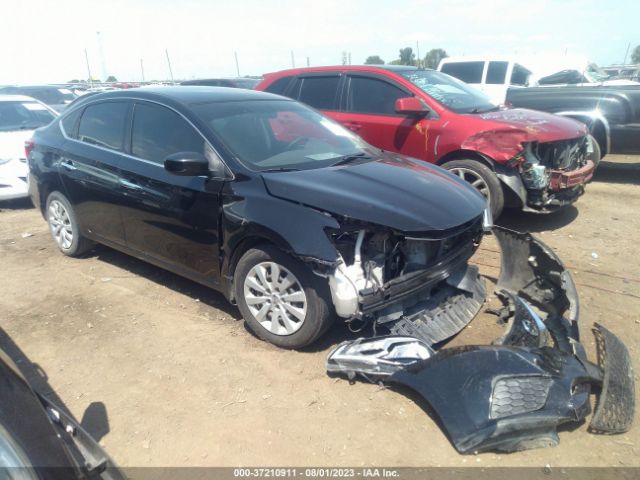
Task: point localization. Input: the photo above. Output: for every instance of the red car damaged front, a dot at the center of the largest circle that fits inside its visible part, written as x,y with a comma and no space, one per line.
552,155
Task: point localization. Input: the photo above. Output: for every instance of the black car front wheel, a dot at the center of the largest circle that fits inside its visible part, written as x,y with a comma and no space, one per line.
281,300
63,225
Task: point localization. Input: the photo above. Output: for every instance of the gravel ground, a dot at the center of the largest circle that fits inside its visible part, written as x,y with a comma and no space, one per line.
163,371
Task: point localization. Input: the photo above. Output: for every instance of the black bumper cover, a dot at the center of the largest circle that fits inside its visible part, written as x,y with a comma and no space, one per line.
514,394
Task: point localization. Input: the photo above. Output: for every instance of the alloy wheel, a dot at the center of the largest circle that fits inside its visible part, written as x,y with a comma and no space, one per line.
275,298
60,224
474,179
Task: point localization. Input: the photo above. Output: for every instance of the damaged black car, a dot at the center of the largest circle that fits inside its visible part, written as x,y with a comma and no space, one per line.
299,222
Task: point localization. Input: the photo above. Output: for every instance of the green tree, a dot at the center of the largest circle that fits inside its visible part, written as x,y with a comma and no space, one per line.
407,57
635,56
374,60
111,79
432,60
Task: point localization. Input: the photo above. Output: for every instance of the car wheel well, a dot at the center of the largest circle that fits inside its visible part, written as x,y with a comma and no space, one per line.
244,246
466,155
47,188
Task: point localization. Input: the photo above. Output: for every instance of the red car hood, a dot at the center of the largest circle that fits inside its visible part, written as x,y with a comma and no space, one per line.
542,126
501,135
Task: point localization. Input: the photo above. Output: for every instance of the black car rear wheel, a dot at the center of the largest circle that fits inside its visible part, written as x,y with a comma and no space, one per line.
63,225
281,300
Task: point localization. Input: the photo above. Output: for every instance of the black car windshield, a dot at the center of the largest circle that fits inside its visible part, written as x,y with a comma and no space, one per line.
449,91
280,134
23,116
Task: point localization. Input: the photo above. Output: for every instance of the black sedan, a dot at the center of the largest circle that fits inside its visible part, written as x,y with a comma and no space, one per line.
280,208
299,221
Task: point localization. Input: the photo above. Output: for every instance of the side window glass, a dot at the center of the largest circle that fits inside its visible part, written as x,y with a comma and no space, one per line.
319,92
159,132
103,124
497,73
520,76
370,95
70,122
468,72
279,86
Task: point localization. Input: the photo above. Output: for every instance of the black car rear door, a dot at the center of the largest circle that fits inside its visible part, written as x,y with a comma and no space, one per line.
169,219
89,167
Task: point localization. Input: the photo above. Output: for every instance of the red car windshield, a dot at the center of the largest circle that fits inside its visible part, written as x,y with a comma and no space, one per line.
449,91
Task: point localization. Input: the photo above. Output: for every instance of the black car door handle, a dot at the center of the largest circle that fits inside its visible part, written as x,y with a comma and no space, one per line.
68,164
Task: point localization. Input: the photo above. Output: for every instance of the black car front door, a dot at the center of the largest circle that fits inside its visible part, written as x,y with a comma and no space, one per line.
89,167
170,220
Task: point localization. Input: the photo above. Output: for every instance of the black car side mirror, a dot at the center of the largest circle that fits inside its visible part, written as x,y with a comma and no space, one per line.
188,164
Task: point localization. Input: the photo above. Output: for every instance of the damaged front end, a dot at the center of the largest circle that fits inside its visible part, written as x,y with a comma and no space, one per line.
508,396
392,279
551,174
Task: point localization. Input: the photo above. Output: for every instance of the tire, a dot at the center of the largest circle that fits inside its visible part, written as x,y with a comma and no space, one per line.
596,155
272,320
474,171
64,227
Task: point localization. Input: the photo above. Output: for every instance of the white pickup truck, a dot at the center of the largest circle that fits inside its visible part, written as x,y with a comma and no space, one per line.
492,75
495,75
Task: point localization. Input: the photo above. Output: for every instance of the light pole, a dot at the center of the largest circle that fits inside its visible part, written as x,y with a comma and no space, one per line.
86,57
169,63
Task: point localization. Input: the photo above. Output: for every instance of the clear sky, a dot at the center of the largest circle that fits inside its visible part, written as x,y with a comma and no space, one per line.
44,41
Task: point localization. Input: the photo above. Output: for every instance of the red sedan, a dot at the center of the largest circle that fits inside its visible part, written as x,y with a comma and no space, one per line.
517,158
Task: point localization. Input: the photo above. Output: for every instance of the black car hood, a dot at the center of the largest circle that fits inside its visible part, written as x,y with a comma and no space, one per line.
393,191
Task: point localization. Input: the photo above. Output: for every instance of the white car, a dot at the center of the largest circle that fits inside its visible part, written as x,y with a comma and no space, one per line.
19,117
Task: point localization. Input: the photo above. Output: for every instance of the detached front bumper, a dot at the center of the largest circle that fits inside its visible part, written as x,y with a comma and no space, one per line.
511,395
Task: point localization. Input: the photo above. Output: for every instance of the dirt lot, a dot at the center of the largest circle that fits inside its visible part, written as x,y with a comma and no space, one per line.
183,382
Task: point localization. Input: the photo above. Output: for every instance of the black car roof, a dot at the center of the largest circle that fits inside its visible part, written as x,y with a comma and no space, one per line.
185,95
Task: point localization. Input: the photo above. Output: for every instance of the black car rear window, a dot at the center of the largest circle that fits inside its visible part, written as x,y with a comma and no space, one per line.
103,124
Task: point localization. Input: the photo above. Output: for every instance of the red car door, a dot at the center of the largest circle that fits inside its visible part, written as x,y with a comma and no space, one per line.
369,111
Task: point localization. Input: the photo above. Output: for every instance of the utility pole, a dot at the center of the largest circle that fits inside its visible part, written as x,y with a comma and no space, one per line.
624,62
418,53
237,64
142,69
349,58
169,63
308,64
86,57
293,60
102,62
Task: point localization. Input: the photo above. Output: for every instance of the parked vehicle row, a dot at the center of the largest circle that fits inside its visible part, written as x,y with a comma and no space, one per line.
299,221
55,97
